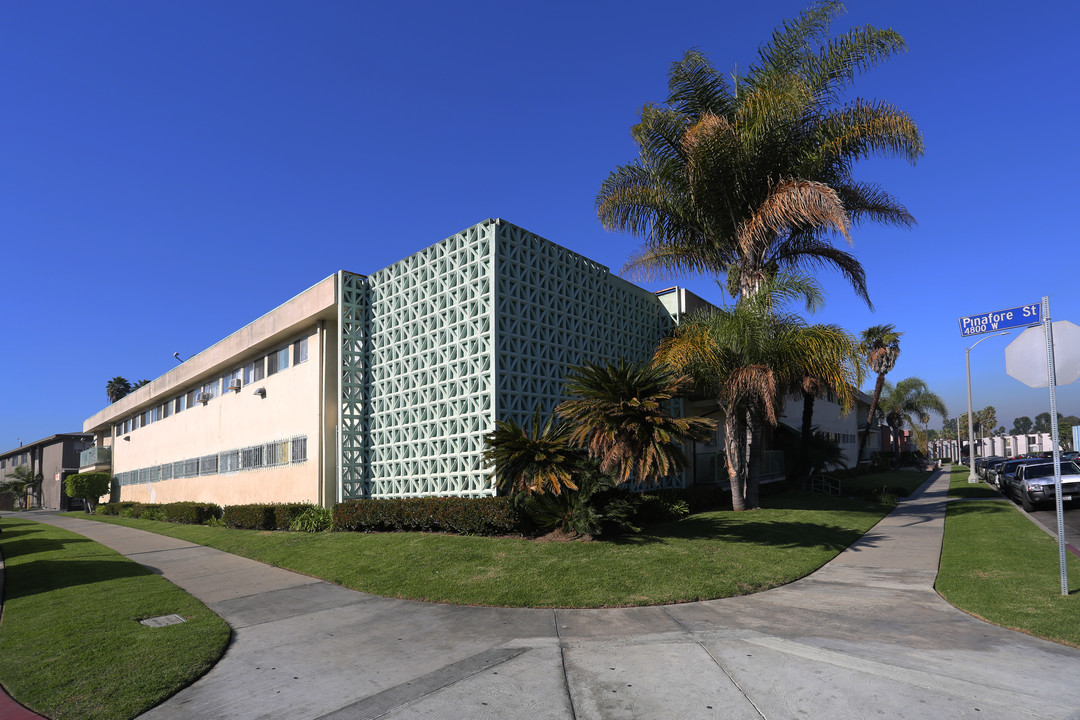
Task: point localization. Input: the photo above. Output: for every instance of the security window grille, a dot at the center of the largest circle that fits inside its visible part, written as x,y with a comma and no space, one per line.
251,457
277,453
144,475
167,471
154,474
230,461
178,469
208,465
299,449
191,468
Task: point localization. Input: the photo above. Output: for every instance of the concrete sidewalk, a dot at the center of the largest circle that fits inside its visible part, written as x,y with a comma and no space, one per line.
865,635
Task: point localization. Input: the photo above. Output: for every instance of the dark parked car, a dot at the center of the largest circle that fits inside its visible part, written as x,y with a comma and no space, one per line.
980,464
990,469
1006,471
1033,483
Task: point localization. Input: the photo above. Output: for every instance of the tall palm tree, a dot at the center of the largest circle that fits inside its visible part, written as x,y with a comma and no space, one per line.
881,346
619,415
748,356
749,177
909,401
117,388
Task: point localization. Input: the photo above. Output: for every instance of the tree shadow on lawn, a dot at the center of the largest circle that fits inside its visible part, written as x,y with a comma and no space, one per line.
41,576
983,508
739,529
11,548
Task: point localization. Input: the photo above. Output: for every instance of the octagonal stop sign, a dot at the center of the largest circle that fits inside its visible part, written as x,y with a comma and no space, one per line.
1025,357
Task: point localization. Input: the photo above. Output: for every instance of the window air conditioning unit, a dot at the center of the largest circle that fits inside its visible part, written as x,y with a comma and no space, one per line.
202,397
235,385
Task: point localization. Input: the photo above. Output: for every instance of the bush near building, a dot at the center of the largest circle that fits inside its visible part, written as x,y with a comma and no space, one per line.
88,486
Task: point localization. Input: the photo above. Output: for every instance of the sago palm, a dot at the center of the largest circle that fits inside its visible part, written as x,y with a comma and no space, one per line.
619,415
535,459
748,177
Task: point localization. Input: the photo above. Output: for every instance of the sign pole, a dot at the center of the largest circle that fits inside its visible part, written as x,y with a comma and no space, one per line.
1052,382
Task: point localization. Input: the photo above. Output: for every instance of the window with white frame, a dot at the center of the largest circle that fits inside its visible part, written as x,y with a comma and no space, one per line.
277,361
253,371
231,380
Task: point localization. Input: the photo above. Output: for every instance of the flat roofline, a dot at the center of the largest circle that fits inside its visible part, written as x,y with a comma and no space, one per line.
316,302
51,440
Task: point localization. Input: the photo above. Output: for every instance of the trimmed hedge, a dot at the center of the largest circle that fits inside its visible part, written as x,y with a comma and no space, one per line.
189,513
465,516
263,516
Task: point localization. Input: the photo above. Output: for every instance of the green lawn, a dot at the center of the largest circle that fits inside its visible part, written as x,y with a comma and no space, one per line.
70,643
997,565
709,555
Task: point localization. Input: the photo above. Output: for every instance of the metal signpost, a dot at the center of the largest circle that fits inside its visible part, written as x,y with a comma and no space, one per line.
1024,360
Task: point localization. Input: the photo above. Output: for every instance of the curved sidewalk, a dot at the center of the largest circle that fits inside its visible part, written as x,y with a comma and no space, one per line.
865,635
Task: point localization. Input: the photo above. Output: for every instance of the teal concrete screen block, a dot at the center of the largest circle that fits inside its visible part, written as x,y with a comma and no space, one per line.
481,326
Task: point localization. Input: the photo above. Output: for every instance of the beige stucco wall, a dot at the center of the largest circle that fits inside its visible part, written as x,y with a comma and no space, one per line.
232,421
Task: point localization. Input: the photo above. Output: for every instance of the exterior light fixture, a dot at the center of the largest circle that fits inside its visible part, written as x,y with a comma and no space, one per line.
261,392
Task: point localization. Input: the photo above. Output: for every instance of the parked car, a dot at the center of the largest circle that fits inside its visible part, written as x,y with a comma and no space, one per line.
991,469
981,463
1005,472
1033,483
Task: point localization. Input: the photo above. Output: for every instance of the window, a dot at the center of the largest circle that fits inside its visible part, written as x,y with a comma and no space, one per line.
208,391
155,414
180,404
231,379
192,394
299,449
166,410
277,361
299,351
253,371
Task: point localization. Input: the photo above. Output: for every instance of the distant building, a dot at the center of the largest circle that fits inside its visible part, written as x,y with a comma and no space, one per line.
55,457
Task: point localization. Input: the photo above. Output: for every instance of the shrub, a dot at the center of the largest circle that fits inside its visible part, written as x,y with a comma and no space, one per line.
190,513
263,516
465,516
88,486
314,519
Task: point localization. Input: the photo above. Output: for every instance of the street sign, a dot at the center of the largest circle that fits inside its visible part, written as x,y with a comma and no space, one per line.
1025,357
1001,320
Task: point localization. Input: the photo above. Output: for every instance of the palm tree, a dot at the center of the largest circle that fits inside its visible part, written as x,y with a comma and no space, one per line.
881,346
619,416
746,178
907,401
536,459
21,481
748,357
117,388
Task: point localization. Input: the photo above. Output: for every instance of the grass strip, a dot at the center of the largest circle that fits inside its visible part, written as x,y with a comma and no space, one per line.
959,486
997,565
704,556
70,643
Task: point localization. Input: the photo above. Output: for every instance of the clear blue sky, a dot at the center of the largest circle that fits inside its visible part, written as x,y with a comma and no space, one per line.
171,171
